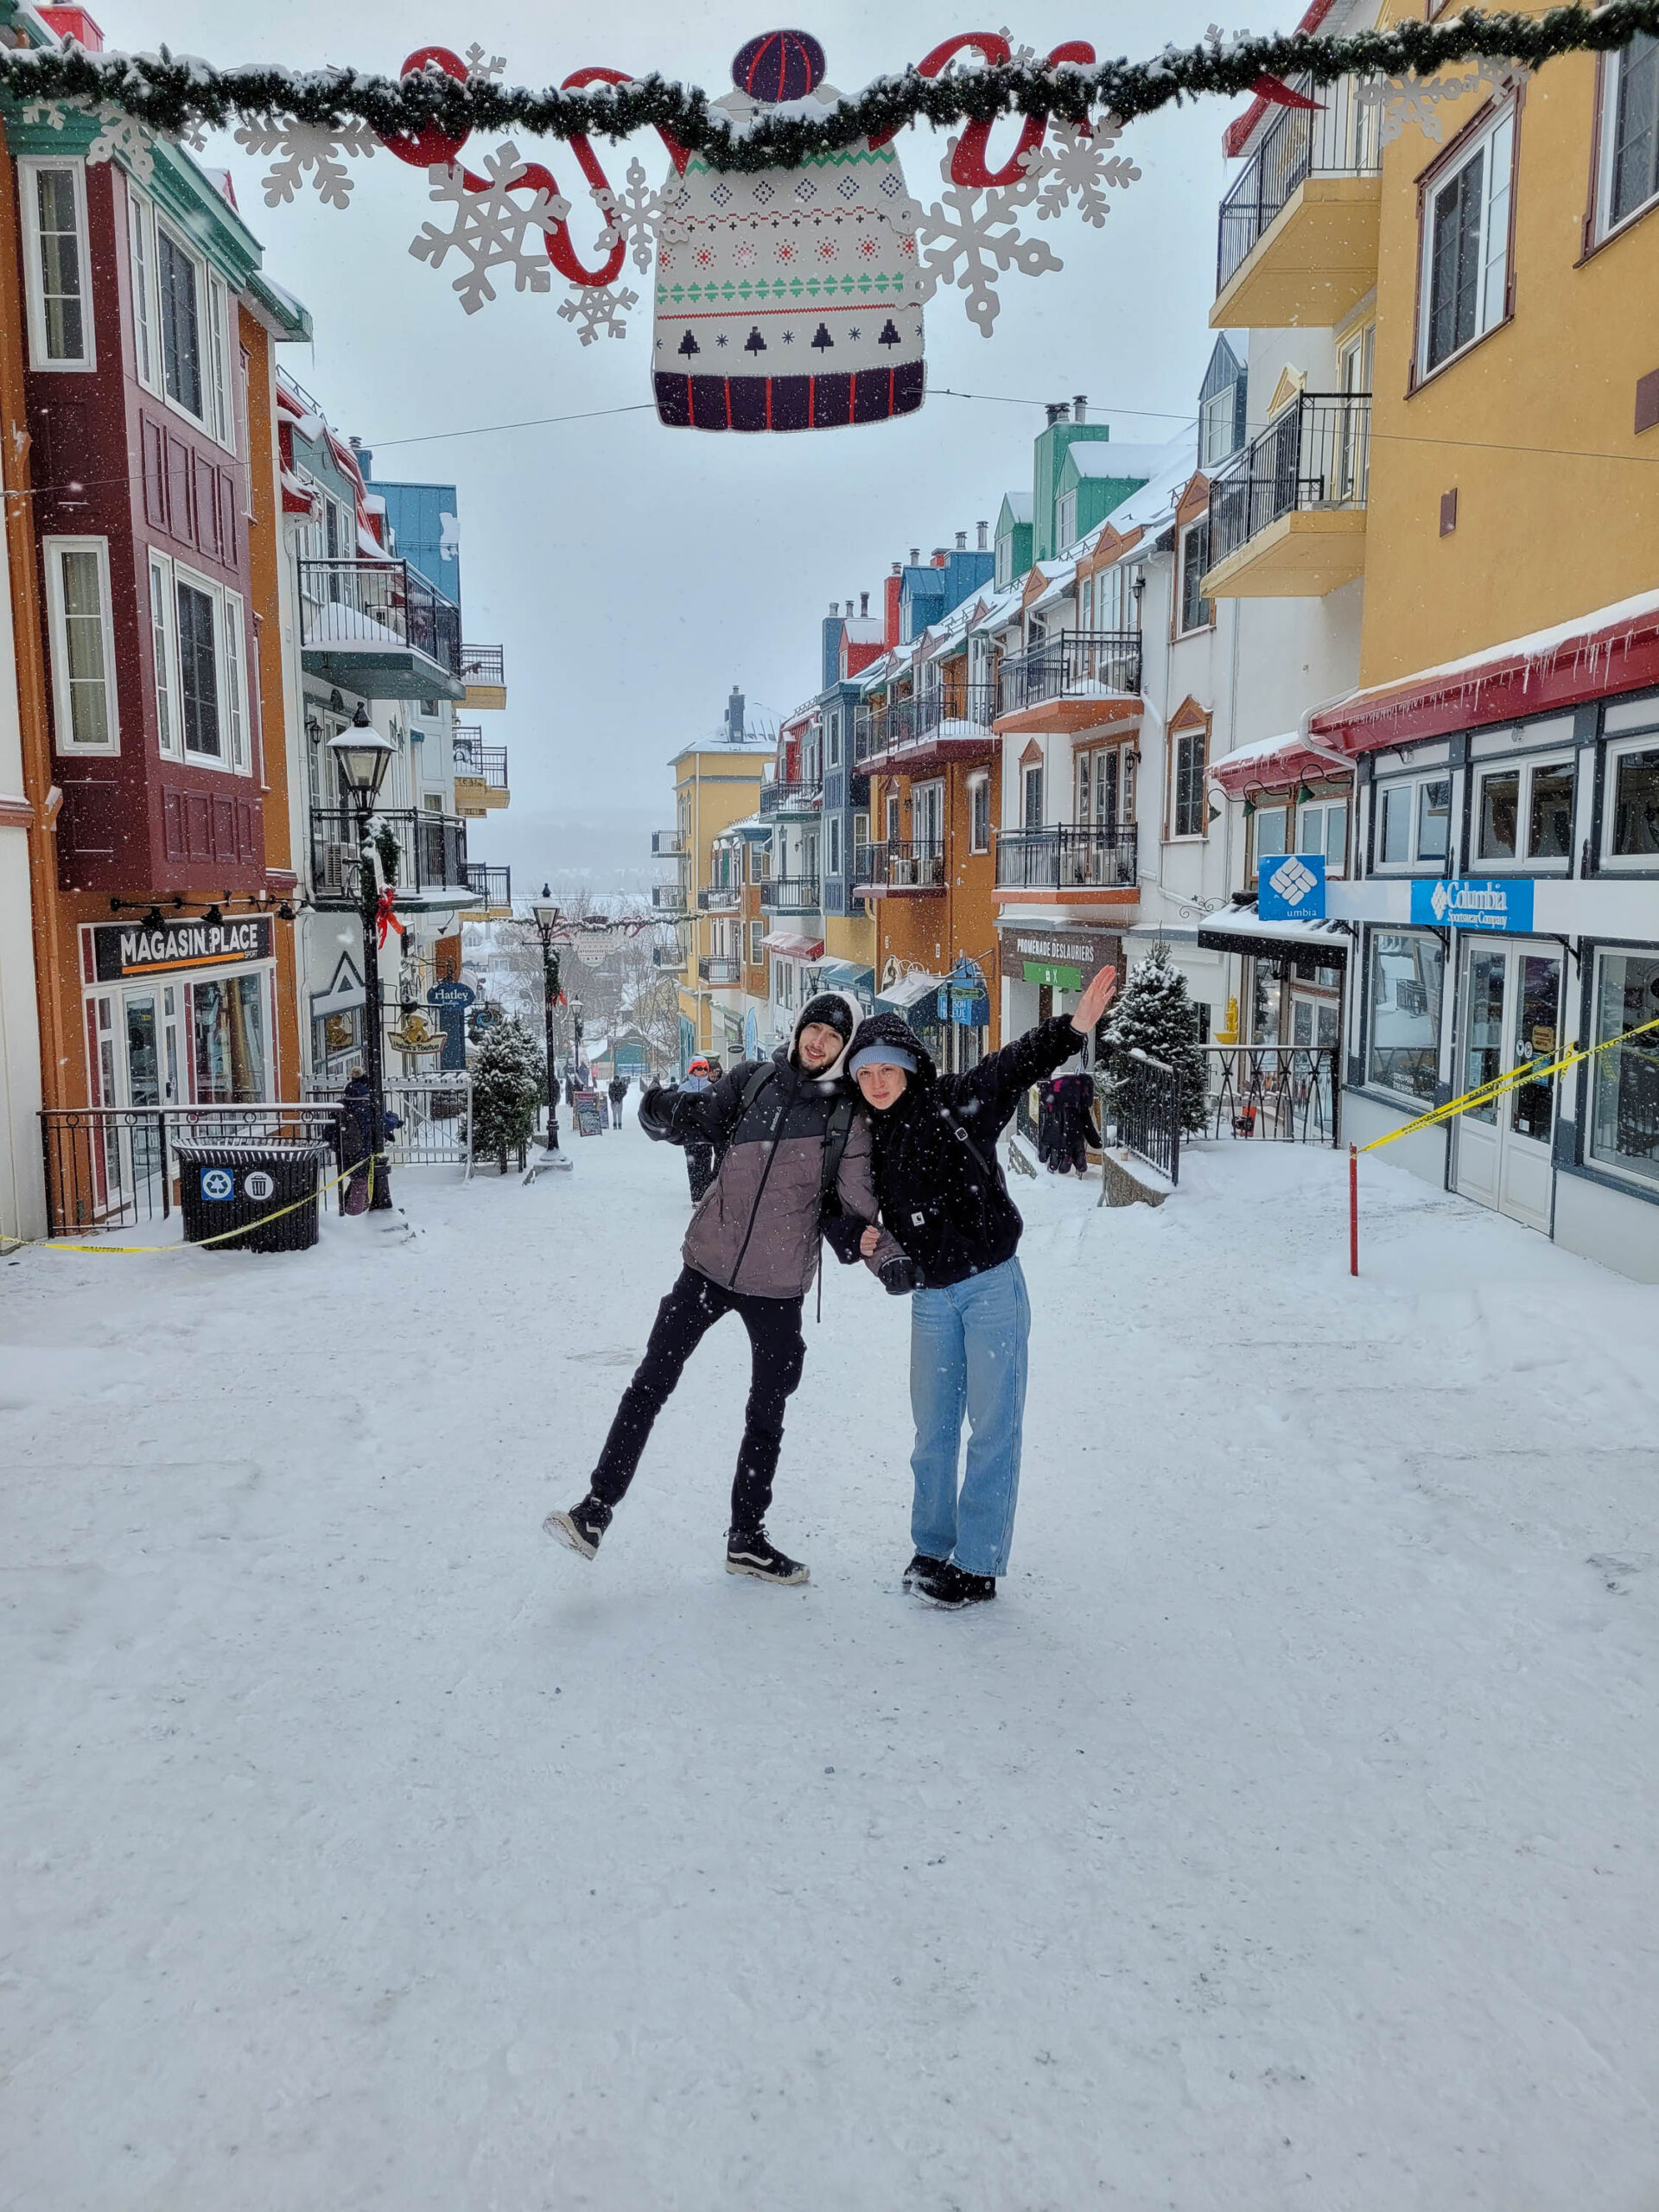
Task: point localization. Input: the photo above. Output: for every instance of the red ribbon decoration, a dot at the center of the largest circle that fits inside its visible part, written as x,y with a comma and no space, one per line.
1281,94
385,915
968,164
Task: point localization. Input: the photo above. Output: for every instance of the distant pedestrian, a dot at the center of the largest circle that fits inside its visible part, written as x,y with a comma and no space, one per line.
617,1090
357,1139
699,1150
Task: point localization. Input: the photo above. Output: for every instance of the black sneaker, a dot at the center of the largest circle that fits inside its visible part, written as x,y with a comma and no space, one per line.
751,1552
582,1525
949,1586
924,1563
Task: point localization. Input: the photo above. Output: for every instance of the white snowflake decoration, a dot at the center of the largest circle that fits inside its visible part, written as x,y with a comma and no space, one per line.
491,229
643,217
482,67
322,149
52,113
1402,101
123,134
1019,57
598,309
1070,165
968,237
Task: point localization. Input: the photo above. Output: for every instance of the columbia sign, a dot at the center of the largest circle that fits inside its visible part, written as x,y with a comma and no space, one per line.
1290,887
1470,903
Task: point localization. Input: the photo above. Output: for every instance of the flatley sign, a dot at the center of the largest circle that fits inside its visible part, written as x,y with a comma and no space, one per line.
143,949
1468,903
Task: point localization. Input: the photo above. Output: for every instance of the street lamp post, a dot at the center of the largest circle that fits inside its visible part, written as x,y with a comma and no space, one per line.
547,915
575,1031
363,756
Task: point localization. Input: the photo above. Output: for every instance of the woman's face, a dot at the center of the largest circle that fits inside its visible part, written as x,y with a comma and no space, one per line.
881,1086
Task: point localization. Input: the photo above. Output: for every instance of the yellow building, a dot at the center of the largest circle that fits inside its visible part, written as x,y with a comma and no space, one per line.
716,783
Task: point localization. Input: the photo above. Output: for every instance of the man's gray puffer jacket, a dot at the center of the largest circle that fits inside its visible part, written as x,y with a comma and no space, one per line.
756,1228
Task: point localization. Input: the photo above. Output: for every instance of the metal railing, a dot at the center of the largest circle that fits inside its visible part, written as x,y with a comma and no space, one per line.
1285,1094
899,864
1061,858
1339,138
668,899
493,885
720,898
1145,1104
1314,456
716,968
483,664
920,719
1074,664
435,1115
363,604
790,895
781,798
666,844
668,956
113,1167
480,763
431,851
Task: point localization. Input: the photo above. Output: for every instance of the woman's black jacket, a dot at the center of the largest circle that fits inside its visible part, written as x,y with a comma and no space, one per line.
936,1173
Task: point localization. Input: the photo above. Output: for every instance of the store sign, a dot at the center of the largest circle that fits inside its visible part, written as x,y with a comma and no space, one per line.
1469,903
1055,974
1064,962
121,949
451,994
1290,887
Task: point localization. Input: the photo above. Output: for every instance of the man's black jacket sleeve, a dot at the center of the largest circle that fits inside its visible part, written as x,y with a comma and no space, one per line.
696,1116
986,1097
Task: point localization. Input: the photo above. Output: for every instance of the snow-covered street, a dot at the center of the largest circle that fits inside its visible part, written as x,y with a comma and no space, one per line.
1284,1834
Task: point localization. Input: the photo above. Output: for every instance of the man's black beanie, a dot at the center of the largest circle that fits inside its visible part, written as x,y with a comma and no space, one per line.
832,1010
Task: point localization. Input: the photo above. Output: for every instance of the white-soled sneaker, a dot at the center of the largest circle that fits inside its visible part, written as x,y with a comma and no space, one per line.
581,1528
750,1551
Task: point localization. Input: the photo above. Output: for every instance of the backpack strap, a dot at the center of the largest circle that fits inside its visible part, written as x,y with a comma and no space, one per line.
835,1144
992,1168
757,1083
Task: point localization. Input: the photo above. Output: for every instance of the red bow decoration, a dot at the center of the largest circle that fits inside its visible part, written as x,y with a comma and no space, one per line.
385,915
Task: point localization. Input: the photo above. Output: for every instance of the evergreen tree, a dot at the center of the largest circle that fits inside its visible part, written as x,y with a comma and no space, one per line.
1156,1014
507,1088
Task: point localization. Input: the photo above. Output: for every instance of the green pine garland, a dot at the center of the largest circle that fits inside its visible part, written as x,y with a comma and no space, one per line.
176,95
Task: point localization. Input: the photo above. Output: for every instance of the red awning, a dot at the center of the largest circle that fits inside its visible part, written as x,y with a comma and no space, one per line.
1272,764
794,948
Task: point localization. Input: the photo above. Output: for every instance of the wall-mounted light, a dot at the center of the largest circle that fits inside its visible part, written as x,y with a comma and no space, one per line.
313,728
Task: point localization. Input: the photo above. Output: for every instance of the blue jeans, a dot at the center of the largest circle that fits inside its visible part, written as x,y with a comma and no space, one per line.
967,1355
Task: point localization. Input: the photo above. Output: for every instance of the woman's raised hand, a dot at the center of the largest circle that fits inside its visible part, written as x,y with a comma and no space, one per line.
1100,992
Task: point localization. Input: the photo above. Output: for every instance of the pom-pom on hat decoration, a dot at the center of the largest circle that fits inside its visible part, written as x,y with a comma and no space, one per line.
778,65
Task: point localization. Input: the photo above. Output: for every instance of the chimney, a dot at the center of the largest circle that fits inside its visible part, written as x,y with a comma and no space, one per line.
835,608
938,557
363,457
1080,408
863,607
735,729
898,568
983,529
1057,411
75,23
915,557
848,610
962,541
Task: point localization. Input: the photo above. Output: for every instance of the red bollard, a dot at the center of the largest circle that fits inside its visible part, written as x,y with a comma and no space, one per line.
1353,1210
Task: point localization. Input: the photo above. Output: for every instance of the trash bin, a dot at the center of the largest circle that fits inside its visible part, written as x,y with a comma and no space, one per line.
235,1186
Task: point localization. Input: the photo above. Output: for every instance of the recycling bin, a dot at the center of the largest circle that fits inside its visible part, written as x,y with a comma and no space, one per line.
236,1186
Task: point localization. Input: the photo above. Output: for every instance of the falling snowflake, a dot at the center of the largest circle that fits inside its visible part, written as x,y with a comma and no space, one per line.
491,229
598,308
481,68
1070,164
1402,101
122,134
970,236
646,219
323,149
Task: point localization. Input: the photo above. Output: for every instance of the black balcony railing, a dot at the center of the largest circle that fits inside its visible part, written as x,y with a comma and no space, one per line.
864,741
716,968
720,898
362,607
784,797
431,851
1060,859
480,764
483,664
1075,664
1339,138
790,895
1316,454
665,844
900,864
922,719
492,885
668,899
668,956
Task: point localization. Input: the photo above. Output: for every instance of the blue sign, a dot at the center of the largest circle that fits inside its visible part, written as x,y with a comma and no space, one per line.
1471,903
218,1183
751,1036
451,994
1290,887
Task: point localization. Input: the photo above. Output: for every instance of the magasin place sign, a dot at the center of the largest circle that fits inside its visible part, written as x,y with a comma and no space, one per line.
120,949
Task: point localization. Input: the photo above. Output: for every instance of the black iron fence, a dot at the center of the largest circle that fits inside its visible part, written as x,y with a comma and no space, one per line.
480,763
717,968
666,843
1075,664
435,1115
1062,858
1339,138
1282,1094
116,1167
483,664
668,897
431,851
1315,455
946,710
363,604
790,895
492,885
1145,1107
900,864
781,798
668,956
720,897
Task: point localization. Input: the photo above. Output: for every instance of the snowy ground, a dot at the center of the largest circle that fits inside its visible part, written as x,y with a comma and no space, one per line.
1284,1836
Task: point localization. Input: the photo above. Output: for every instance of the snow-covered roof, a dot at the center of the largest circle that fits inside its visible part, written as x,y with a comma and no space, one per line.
1100,457
910,989
1018,504
1241,928
1157,498
863,629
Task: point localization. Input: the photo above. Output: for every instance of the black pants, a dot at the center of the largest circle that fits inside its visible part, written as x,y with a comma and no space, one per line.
699,1167
683,1319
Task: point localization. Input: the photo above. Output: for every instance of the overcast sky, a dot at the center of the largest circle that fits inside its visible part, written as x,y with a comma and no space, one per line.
633,573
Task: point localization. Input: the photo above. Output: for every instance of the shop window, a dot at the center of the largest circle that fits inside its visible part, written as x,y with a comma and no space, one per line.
1630,131
228,1040
54,197
1323,828
1269,825
1523,811
1631,806
1624,1119
979,816
757,945
1196,612
1189,752
82,644
1413,821
1405,983
1466,247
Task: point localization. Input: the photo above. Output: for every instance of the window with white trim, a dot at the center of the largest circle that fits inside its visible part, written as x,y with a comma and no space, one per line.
194,310
835,844
1189,752
164,655
979,814
1523,812
141,261
85,719
1412,818
203,710
1196,612
1624,1111
1405,982
1268,832
1323,828
1629,807
757,945
1465,246
1630,132
1065,519
56,265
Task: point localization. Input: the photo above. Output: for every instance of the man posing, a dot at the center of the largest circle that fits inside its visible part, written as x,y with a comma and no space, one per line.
942,1196
795,1162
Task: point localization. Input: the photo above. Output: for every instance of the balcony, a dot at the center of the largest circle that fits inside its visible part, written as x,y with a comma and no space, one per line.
668,899
667,844
1297,239
483,671
494,889
720,899
1074,680
480,775
431,855
1064,861
379,629
719,971
1287,518
952,722
790,895
800,797
668,956
898,865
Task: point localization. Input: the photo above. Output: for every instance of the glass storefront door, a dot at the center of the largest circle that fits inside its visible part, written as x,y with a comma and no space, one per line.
1511,1020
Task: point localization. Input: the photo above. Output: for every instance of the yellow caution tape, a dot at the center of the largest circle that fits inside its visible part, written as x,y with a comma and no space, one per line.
1484,1093
198,1243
